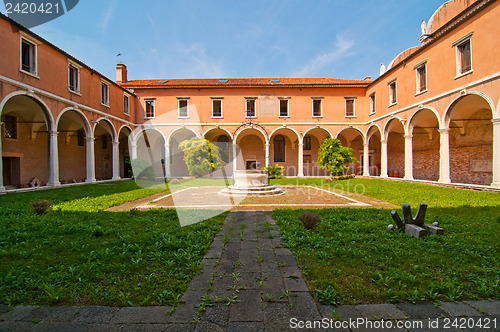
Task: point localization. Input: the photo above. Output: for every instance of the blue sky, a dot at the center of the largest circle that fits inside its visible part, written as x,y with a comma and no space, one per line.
252,38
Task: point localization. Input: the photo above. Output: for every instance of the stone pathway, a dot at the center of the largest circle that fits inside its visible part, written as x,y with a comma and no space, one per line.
251,282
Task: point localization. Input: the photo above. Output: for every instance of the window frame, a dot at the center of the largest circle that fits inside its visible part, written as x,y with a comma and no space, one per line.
73,65
14,135
217,99
151,103
283,154
254,101
373,100
285,100
25,38
347,100
105,101
307,146
179,108
393,92
320,100
465,40
126,110
418,77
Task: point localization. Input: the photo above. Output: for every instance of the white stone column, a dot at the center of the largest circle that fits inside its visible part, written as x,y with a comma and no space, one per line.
496,153
267,154
383,159
300,171
366,159
444,156
116,161
133,150
53,160
167,160
90,160
2,187
235,160
408,157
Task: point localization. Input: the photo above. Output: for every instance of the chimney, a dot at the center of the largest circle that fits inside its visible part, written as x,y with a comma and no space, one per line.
121,73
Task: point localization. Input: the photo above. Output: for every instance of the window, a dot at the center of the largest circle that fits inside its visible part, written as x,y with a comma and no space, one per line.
74,79
307,143
150,108
317,107
126,105
250,108
104,94
10,123
464,57
104,141
217,108
28,57
279,149
421,72
372,103
393,99
183,108
284,107
349,107
80,134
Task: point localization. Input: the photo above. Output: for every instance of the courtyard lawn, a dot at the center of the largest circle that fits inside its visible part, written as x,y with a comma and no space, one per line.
79,254
351,258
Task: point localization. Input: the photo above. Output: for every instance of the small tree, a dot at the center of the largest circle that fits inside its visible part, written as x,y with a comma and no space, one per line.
200,156
334,157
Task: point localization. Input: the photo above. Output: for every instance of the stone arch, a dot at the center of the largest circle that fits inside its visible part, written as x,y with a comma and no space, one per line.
469,121
318,127
104,136
374,138
149,145
218,128
253,143
124,137
241,130
177,166
86,122
314,137
349,138
424,126
290,145
394,133
33,138
390,122
111,130
353,128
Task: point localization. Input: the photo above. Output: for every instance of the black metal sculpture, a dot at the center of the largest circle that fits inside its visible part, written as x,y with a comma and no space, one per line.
414,226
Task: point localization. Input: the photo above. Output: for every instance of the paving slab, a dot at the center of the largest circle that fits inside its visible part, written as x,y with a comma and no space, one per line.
422,310
217,314
14,326
380,311
248,307
276,316
18,312
245,327
53,314
137,315
295,284
95,315
490,308
73,327
303,306
180,327
459,309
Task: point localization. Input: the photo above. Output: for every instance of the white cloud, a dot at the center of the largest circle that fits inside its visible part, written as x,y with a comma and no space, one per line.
107,14
316,65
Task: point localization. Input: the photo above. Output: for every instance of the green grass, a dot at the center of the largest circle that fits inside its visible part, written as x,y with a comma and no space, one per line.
351,258
79,254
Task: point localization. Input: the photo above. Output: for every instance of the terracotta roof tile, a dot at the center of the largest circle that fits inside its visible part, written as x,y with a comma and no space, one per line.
244,83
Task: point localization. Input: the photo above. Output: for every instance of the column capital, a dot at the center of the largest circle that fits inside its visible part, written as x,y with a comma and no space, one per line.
90,139
366,144
496,121
53,133
115,143
408,137
383,141
442,131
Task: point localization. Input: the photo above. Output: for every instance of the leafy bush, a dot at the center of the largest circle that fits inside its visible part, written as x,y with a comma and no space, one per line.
201,157
334,157
310,219
274,172
142,169
41,207
344,177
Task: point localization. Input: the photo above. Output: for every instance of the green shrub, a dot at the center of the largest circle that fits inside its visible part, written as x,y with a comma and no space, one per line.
41,207
310,219
274,172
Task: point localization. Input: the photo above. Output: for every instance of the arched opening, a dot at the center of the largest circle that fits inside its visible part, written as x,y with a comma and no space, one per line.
252,145
150,146
395,132
374,150
104,135
471,140
312,141
353,138
424,128
221,138
124,153
284,151
178,167
25,142
72,130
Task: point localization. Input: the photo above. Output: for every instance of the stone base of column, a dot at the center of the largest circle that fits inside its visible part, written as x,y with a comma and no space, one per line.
2,190
384,176
54,184
116,178
444,181
408,178
90,180
493,184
